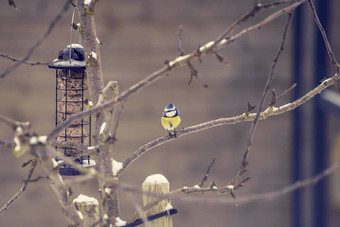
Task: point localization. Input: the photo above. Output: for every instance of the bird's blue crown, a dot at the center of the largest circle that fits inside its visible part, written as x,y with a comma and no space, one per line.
169,107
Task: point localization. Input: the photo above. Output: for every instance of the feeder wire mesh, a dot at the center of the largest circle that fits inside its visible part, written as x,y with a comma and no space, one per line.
71,87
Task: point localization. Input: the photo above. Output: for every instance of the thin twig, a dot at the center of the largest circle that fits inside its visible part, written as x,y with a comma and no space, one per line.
220,58
286,91
205,178
26,163
193,73
324,36
257,7
263,97
180,41
12,4
12,123
38,43
23,61
6,143
259,25
274,99
37,179
22,189
117,120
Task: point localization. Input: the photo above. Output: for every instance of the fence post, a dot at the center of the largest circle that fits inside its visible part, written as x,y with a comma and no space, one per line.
87,208
157,184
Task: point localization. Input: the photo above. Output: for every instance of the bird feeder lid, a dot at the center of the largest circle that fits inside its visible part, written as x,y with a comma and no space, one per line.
77,60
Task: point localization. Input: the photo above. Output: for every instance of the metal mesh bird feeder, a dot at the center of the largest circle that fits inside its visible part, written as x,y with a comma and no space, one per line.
70,98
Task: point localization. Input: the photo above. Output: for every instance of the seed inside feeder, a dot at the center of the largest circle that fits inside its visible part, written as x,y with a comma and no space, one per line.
71,85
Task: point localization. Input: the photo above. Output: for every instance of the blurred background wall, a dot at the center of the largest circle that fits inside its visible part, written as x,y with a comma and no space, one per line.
137,37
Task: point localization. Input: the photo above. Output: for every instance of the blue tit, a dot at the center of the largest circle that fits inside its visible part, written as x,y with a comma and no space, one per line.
171,119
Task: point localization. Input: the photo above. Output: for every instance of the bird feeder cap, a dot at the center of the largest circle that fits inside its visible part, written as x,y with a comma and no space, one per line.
77,60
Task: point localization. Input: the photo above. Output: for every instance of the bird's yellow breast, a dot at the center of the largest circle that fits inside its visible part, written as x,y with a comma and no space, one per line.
170,123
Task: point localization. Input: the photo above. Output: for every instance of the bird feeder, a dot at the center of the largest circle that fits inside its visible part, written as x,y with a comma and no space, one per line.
71,87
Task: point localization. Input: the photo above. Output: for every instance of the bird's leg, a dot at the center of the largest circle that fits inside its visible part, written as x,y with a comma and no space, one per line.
175,135
172,135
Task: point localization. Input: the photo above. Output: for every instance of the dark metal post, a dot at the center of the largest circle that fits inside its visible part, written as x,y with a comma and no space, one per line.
320,149
298,123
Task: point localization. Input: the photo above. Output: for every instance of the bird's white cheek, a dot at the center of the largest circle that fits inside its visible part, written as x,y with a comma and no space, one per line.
171,113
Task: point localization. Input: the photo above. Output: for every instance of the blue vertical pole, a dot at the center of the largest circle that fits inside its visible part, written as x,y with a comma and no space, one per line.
298,124
320,150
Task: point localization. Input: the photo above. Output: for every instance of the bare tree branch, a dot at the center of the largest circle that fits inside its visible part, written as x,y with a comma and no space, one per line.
324,36
22,189
37,44
270,111
257,8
